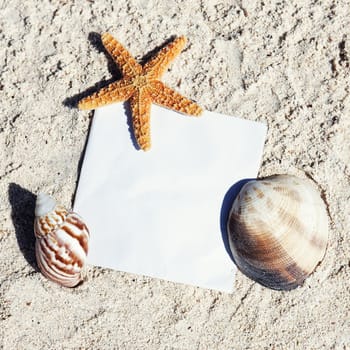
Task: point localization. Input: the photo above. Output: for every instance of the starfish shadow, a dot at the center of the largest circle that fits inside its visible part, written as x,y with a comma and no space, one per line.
96,42
128,113
150,54
72,102
22,214
227,202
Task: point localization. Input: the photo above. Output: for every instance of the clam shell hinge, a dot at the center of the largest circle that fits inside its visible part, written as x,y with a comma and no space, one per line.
62,240
278,230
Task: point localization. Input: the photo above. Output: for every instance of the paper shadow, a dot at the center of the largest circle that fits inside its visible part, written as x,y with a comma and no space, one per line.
22,213
82,155
80,162
227,202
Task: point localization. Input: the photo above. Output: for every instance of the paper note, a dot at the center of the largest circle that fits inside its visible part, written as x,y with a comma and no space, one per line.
157,213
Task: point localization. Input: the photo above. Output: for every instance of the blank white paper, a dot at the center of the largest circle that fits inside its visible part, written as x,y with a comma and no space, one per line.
157,213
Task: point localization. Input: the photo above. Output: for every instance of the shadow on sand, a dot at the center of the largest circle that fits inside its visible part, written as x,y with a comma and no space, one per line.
22,213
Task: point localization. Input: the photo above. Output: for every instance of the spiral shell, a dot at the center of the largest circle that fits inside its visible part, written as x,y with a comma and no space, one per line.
278,230
61,243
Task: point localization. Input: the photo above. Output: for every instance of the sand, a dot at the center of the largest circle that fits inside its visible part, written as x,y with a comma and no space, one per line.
283,63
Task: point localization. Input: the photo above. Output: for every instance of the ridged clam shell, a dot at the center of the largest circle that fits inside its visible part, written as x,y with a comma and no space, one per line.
61,242
278,230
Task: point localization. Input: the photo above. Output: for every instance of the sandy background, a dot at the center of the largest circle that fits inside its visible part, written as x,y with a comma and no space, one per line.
272,61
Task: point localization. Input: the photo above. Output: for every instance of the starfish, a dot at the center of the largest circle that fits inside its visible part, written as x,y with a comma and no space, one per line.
141,86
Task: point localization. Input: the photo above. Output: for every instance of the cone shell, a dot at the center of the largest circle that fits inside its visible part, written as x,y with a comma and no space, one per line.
61,242
278,230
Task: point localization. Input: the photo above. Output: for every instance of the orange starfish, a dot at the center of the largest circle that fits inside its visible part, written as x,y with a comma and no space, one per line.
140,85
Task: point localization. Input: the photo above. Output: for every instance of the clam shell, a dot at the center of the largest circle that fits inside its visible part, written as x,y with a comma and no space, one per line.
61,242
278,230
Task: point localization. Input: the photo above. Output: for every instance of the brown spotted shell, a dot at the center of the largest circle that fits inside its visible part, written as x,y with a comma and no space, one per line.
278,230
61,242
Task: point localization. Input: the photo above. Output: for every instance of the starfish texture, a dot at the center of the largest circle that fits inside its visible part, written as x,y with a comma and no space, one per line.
140,85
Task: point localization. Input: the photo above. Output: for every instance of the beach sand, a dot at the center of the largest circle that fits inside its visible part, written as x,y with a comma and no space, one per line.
285,64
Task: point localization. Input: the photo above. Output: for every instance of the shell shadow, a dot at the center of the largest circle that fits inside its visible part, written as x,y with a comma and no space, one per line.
227,202
22,204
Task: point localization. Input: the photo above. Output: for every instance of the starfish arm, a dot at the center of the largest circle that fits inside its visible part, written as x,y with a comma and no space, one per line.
167,97
157,66
126,63
115,92
140,104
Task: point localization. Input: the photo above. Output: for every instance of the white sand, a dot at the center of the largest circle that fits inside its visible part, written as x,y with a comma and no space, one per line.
285,64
